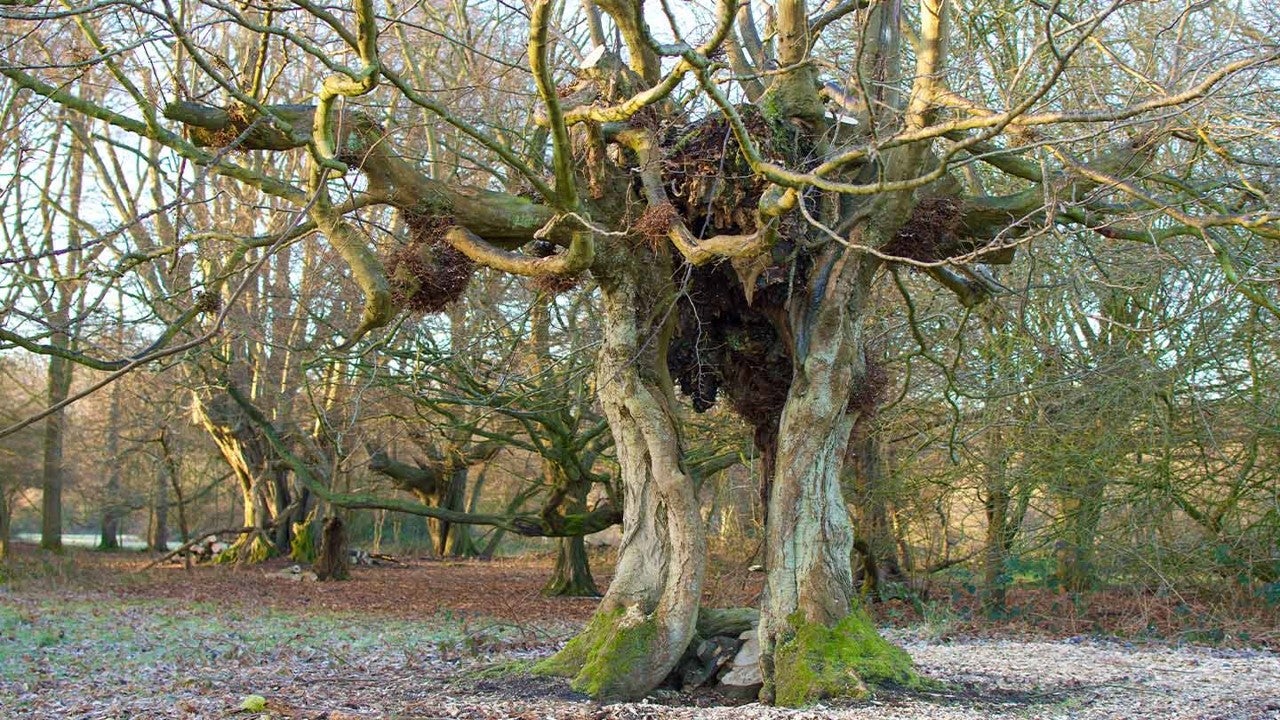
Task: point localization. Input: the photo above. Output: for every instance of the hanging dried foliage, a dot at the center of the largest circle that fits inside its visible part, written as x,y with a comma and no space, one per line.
709,181
931,231
655,222
555,284
727,345
428,273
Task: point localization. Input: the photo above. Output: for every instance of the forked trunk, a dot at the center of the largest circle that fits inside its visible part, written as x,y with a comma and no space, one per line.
453,539
816,641
246,452
647,617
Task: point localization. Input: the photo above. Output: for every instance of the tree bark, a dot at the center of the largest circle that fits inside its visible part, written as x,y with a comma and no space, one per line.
172,472
59,377
815,639
873,531
6,514
110,536
647,617
248,456
1081,513
332,562
158,534
1001,526
571,576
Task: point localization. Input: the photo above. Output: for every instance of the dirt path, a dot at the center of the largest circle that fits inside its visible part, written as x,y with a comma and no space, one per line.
439,640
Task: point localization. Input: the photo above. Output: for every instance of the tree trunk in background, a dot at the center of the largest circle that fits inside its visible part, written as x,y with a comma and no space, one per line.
332,562
282,510
1002,526
647,617
452,539
172,472
874,538
571,576
248,455
55,426
110,536
158,533
815,640
1081,513
6,510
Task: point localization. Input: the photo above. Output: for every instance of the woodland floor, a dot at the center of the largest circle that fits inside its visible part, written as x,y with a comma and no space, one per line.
89,635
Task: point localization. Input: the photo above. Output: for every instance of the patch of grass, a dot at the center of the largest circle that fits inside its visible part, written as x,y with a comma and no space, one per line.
73,637
503,670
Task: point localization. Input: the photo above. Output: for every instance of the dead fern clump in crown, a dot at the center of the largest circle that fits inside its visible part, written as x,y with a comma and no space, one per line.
554,284
868,392
427,273
930,233
725,346
655,222
708,178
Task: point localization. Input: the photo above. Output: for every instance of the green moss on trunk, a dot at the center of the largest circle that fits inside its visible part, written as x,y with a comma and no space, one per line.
302,549
251,549
843,660
602,659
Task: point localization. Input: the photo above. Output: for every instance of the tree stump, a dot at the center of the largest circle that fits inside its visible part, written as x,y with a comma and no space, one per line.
332,562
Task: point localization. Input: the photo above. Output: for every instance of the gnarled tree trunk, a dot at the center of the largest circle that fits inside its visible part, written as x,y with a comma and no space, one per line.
249,457
647,617
815,639
571,576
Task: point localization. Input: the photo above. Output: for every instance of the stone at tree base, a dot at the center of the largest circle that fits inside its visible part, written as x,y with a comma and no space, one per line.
710,656
744,678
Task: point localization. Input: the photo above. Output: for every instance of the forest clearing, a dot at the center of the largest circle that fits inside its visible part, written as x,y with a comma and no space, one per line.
91,637
637,358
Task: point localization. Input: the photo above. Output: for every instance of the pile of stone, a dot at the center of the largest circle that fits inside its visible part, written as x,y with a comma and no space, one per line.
725,656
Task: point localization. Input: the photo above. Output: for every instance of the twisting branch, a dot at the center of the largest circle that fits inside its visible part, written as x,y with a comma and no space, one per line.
562,151
352,83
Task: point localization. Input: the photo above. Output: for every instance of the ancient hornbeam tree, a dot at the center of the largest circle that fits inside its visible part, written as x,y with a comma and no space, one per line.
736,189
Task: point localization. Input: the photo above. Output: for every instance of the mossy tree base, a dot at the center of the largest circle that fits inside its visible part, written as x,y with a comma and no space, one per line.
302,548
603,658
843,660
251,548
